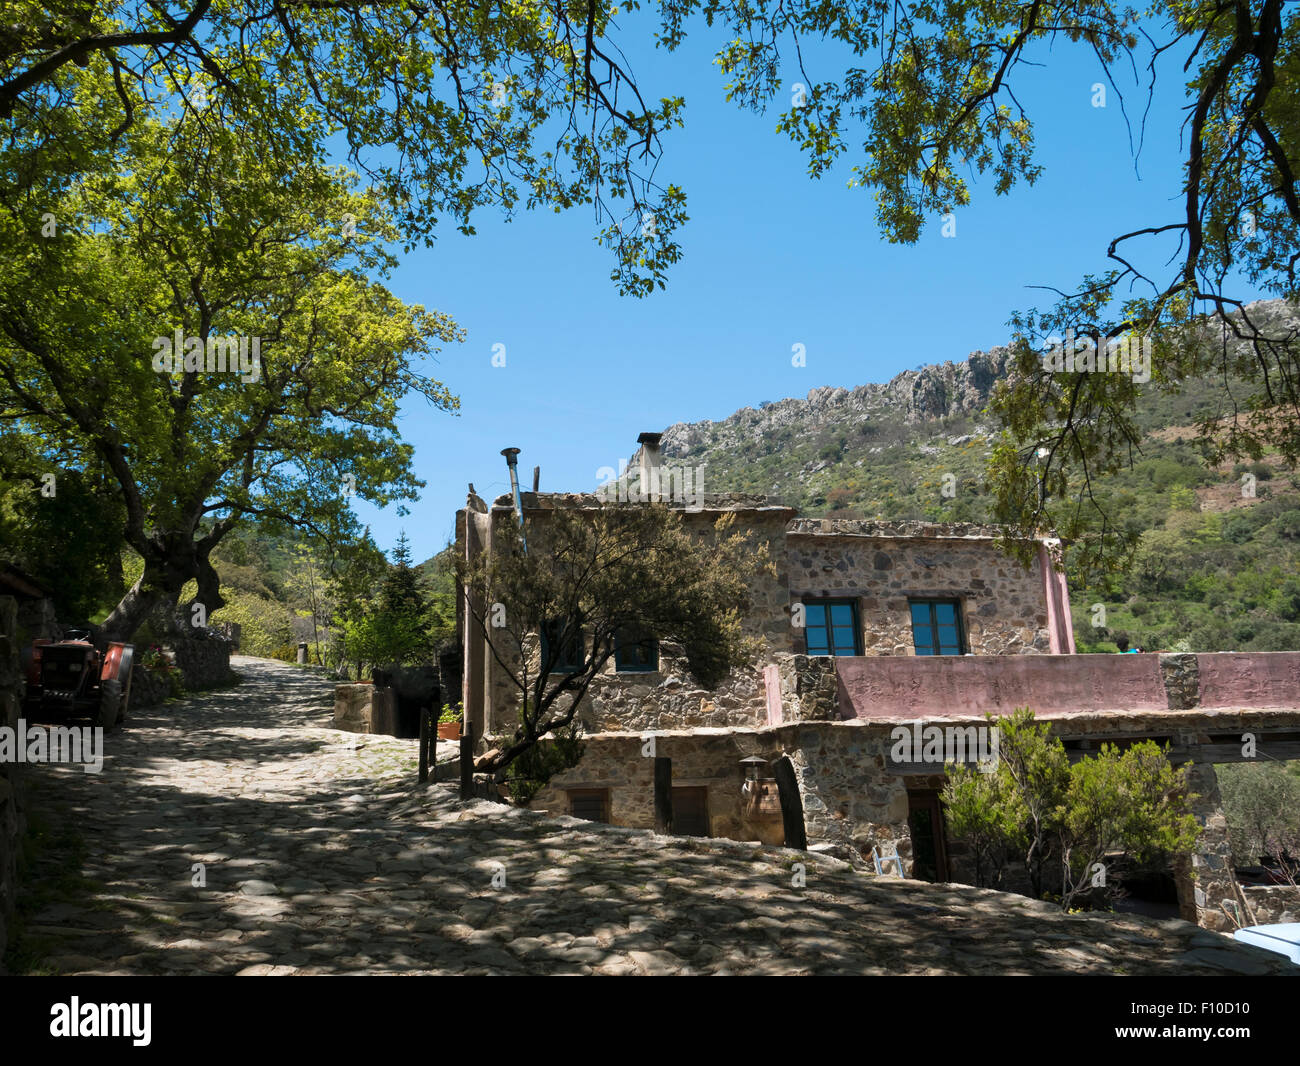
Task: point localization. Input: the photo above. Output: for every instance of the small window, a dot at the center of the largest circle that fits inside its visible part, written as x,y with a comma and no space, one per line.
591,804
636,651
566,644
831,627
936,627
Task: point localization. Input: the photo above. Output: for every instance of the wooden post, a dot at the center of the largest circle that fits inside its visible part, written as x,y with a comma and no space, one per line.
467,761
432,745
663,794
791,804
424,747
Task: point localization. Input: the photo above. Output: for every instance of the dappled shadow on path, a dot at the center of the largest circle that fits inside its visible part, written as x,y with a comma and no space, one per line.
236,830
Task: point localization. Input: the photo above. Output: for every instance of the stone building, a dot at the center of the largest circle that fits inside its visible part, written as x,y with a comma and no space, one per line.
34,602
904,624
860,588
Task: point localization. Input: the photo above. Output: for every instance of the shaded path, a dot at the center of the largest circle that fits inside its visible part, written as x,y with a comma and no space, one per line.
320,854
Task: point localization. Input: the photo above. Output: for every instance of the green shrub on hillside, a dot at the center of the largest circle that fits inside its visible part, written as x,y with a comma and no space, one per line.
266,624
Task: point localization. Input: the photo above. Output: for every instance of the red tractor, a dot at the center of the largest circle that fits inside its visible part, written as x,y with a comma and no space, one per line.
71,678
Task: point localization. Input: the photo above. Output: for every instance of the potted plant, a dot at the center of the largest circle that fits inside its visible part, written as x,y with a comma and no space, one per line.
449,723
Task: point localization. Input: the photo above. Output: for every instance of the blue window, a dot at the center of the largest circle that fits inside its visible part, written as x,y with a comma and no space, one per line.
636,651
565,643
831,627
936,627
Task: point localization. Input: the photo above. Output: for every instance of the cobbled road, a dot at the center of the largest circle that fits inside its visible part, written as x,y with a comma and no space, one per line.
236,832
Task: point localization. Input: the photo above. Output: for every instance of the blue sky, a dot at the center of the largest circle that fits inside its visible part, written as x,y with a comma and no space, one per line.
771,258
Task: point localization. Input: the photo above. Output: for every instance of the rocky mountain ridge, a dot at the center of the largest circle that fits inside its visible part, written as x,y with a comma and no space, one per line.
941,390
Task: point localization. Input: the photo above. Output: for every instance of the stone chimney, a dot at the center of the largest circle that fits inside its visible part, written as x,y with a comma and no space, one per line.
651,461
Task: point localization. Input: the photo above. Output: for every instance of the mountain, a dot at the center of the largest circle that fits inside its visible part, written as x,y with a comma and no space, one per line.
1217,570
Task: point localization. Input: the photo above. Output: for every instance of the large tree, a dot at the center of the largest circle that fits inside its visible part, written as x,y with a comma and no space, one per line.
162,169
930,92
200,237
444,106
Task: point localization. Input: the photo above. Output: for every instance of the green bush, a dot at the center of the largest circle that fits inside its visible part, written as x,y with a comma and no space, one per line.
154,662
1261,804
265,624
1037,808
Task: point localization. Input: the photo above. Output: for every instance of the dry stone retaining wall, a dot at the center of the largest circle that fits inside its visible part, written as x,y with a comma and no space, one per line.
12,813
1273,903
203,663
619,762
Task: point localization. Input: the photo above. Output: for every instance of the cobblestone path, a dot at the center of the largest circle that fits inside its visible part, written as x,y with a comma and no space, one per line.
321,855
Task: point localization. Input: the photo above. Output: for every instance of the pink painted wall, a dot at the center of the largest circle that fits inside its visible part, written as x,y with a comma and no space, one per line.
1249,679
908,687
772,685
1060,625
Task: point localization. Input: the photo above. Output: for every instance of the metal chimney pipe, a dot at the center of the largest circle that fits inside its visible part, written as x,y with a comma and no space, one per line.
512,460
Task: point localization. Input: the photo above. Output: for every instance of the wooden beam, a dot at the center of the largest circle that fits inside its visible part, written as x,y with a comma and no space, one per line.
663,794
424,748
467,761
1282,751
796,836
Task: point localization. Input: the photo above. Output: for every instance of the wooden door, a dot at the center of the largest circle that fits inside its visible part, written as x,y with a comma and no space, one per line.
925,820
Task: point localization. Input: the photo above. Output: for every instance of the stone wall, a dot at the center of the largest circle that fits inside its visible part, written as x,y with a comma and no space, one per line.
618,762
849,798
147,689
1273,903
810,688
12,816
879,565
668,698
1003,606
353,707
203,663
1205,879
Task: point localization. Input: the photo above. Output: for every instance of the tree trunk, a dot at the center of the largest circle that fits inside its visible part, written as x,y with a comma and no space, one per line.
132,610
170,561
209,593
663,795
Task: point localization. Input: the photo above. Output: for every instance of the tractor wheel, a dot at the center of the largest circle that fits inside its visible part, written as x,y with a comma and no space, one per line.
110,702
126,698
